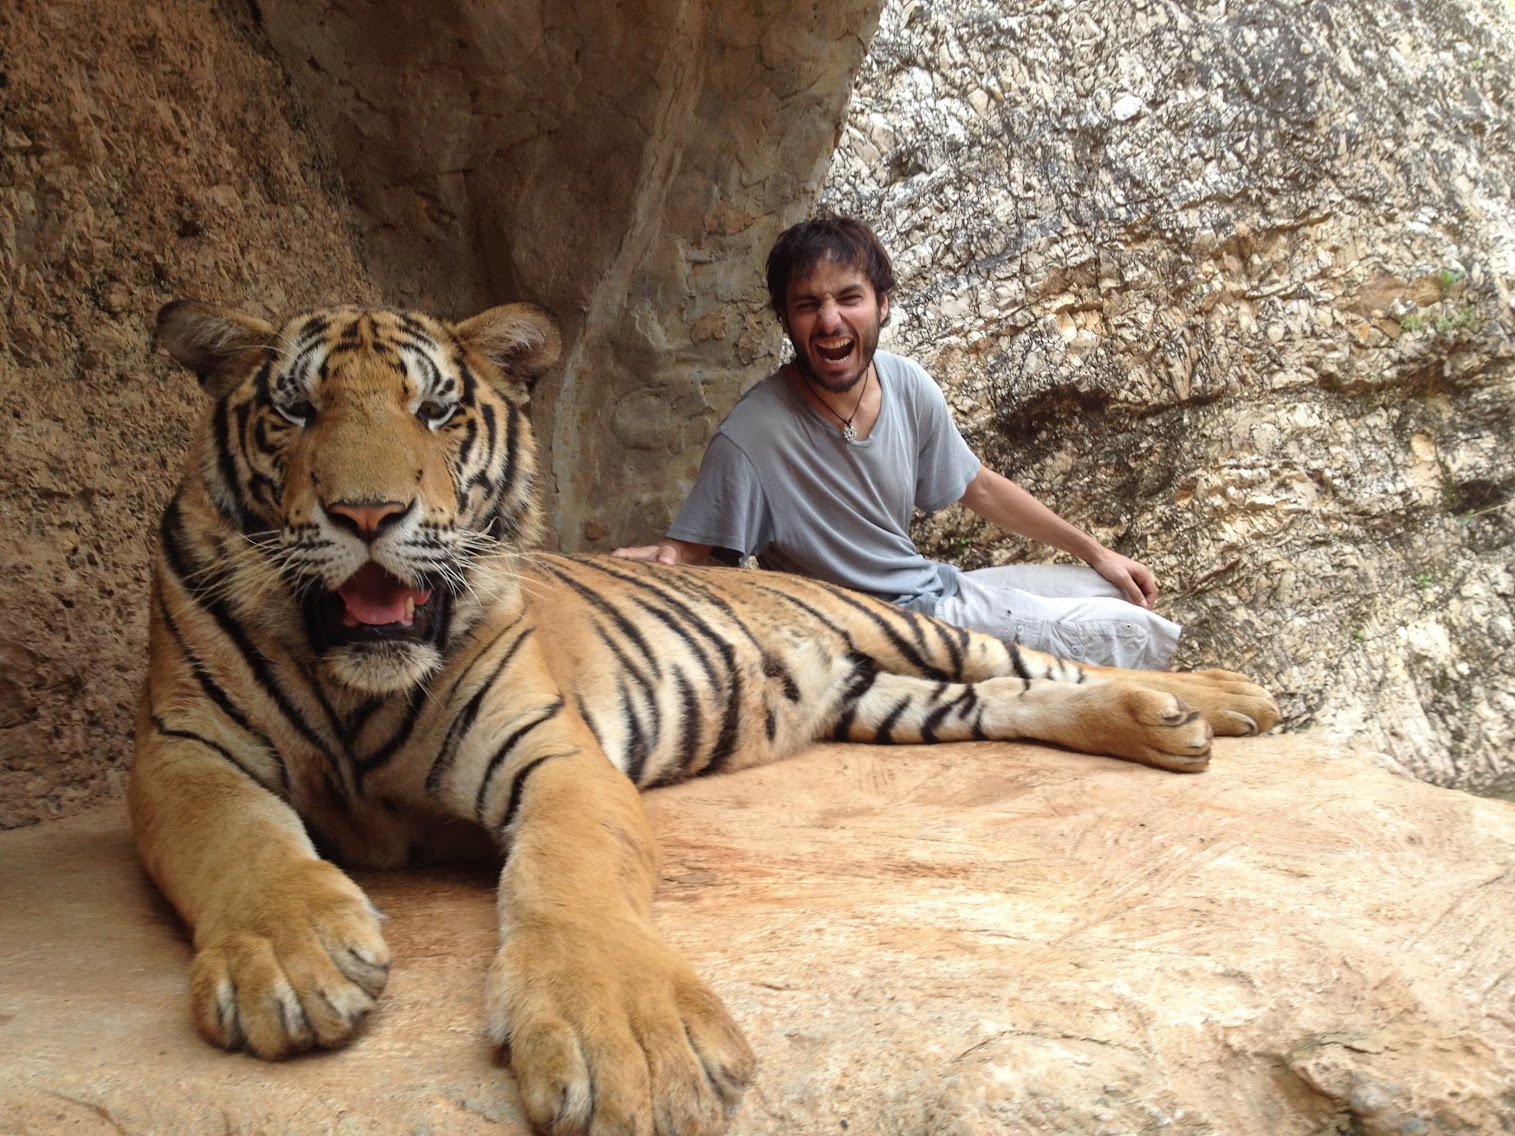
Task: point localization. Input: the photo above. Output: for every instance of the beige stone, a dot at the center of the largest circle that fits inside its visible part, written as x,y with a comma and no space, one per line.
1259,240
962,939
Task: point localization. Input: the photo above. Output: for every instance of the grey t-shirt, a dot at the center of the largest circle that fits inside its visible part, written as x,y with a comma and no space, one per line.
781,483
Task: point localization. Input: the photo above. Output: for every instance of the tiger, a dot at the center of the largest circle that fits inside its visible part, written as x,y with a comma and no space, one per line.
359,654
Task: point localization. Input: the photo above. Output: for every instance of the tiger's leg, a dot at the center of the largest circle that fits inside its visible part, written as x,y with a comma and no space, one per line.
606,1028
1113,718
288,952
1232,703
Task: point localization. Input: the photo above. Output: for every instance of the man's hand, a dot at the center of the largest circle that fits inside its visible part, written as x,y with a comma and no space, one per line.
669,552
1132,577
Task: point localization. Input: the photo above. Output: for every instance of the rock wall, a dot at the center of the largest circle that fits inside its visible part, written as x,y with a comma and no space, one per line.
626,166
1231,286
146,152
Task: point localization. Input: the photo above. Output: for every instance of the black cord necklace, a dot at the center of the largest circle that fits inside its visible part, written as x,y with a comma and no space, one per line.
848,431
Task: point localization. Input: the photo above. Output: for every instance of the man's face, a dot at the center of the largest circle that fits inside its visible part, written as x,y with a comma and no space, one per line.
833,316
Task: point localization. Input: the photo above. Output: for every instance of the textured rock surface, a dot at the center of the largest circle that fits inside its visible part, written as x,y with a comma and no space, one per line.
951,940
627,166
1231,285
147,151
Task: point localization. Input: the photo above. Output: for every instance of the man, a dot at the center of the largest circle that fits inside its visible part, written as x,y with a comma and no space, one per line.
818,468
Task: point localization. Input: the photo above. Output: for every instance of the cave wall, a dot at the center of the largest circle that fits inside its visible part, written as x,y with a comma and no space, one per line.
146,152
1231,286
626,166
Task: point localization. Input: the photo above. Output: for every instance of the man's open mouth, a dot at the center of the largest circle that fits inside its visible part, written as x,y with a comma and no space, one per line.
834,351
372,606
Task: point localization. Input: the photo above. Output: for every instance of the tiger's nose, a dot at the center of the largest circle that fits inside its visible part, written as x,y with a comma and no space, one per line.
366,519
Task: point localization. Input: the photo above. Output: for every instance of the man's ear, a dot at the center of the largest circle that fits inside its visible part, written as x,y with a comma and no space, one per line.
883,310
522,340
219,345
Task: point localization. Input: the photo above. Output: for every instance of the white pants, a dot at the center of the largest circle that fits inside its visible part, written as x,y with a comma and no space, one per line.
1064,609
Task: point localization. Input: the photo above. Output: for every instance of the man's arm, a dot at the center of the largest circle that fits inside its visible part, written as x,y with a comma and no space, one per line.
1004,503
669,552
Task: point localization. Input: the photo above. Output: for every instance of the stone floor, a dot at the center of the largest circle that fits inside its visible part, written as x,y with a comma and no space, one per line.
949,940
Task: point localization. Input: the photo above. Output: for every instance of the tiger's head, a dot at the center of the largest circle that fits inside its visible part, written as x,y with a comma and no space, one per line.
372,471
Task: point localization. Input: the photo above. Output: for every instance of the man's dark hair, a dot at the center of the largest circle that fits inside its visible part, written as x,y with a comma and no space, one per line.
826,237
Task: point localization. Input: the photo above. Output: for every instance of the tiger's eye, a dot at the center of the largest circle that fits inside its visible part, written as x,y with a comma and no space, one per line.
434,413
299,413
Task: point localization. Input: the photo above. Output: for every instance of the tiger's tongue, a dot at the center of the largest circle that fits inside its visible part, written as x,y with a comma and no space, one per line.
375,597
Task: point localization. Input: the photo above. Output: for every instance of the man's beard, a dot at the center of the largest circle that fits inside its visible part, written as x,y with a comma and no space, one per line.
867,345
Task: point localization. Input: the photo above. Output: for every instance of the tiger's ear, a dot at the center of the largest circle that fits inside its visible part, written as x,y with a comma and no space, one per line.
218,344
522,340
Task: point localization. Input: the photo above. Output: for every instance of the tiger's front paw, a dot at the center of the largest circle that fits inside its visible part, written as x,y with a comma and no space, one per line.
296,964
608,1031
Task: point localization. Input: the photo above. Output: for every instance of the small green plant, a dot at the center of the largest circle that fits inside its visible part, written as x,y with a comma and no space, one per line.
1359,635
1424,580
1448,278
1441,322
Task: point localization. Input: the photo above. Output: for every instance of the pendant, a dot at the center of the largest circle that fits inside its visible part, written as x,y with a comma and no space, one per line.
848,432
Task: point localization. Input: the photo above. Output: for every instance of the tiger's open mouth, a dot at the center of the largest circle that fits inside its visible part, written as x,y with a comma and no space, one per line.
372,606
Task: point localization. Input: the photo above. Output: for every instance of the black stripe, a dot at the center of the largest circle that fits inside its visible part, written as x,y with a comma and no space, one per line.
518,787
636,739
726,740
933,720
864,675
213,691
663,586
954,639
689,723
627,665
186,735
172,534
683,631
1018,664
623,625
448,752
381,756
882,735
909,653
589,721
360,717
503,752
226,466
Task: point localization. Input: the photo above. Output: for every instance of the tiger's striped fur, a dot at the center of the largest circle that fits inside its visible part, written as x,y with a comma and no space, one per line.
354,648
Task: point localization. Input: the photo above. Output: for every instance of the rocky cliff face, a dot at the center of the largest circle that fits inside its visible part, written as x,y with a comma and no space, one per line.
1231,286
